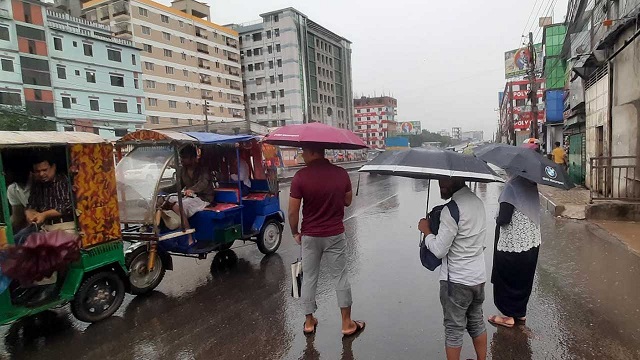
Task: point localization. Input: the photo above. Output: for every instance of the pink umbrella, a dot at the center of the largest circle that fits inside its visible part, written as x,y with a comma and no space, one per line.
318,134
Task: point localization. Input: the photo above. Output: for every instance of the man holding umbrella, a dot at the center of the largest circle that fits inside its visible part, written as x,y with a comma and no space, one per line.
462,274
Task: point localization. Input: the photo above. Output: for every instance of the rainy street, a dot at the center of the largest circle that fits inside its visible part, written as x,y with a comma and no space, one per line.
238,306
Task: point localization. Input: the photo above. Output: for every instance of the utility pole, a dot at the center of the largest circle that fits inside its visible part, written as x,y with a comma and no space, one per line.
206,115
533,94
511,126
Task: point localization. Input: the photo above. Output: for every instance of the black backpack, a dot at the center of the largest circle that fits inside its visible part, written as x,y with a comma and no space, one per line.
427,258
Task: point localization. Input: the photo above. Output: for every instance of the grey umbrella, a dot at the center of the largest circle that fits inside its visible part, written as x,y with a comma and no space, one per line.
431,163
524,162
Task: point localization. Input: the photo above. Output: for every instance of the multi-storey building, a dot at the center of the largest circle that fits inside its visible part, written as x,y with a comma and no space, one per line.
191,66
295,71
375,119
68,70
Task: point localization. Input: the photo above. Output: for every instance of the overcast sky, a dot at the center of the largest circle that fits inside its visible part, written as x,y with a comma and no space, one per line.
442,60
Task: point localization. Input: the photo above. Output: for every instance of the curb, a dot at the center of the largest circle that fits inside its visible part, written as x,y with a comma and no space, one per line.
550,206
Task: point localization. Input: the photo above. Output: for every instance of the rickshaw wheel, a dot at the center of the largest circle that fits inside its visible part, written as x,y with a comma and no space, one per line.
98,297
270,237
141,280
225,246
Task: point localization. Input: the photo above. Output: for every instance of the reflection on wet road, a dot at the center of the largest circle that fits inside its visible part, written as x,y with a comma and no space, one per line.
238,305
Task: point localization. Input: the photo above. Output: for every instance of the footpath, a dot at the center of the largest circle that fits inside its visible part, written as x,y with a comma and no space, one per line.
618,219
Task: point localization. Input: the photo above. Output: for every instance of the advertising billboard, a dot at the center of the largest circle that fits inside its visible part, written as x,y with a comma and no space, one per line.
516,61
396,143
410,127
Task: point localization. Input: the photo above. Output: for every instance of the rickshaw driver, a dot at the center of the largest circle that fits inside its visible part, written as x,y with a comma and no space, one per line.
197,187
49,201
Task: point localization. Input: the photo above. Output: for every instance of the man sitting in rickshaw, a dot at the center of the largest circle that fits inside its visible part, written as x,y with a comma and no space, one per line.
49,199
197,187
241,172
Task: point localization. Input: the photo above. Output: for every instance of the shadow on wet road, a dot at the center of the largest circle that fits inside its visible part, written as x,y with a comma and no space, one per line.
583,306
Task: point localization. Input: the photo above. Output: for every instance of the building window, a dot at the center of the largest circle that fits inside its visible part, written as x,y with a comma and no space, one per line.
184,56
259,66
153,101
117,80
164,19
148,65
146,30
66,102
253,111
252,96
173,104
174,121
187,88
281,93
249,52
281,108
95,106
154,119
257,36
150,84
120,106
181,23
91,77
270,49
7,65
143,12
171,87
250,67
280,78
168,70
257,51
188,105
272,79
114,55
139,107
273,109
182,40
62,72
135,83
57,43
185,72
88,49
77,72
148,48
276,32
133,59
275,18
279,61
168,53
268,34
166,36
277,47
4,33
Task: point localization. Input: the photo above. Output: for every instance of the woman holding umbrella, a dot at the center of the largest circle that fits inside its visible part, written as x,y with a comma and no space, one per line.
517,243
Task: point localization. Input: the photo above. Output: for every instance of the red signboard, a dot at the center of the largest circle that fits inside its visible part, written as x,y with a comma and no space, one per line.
524,94
366,122
524,120
366,114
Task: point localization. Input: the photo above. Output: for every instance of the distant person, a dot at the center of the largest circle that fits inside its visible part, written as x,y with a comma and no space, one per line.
517,243
462,273
323,190
559,155
240,171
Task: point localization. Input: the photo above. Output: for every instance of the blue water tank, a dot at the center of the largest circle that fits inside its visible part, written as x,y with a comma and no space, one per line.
554,106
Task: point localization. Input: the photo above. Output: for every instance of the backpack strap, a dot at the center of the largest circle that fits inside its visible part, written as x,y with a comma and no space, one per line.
454,210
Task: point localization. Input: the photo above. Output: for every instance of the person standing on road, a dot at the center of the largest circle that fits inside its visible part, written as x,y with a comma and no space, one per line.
559,155
462,273
517,244
323,190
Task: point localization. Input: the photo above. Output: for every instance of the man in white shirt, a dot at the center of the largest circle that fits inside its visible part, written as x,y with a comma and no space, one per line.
18,197
462,273
240,172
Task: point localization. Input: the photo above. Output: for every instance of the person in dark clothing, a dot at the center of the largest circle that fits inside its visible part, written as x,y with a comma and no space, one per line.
517,244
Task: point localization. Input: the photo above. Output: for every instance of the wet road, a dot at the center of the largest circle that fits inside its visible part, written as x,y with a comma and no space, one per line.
584,303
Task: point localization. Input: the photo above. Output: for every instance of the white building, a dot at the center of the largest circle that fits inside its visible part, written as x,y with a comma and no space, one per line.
295,71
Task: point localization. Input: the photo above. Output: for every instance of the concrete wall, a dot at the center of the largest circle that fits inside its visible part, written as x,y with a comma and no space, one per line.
596,108
625,133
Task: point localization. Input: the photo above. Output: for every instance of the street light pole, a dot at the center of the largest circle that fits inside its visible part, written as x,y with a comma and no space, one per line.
533,94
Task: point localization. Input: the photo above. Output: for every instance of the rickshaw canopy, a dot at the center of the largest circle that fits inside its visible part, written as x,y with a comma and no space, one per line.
35,138
167,136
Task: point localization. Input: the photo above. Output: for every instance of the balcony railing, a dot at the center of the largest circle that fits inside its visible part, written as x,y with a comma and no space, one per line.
204,51
614,178
234,72
235,86
234,59
205,80
236,100
200,35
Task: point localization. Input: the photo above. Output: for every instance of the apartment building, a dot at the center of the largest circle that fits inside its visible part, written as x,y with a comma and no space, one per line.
190,66
69,70
375,119
295,71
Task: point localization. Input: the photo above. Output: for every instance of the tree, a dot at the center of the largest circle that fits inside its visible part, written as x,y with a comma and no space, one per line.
427,136
18,119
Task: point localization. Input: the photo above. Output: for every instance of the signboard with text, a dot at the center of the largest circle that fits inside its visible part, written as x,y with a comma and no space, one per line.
516,62
410,127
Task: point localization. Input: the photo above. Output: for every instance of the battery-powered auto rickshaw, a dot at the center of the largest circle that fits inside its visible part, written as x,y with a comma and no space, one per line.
95,283
237,212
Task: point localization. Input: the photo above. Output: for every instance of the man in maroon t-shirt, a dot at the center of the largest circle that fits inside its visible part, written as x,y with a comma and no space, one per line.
324,190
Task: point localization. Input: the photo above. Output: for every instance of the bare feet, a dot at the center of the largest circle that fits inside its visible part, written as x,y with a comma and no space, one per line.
310,325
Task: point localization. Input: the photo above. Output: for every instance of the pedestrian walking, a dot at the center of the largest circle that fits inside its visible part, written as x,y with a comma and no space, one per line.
559,155
517,243
460,244
323,190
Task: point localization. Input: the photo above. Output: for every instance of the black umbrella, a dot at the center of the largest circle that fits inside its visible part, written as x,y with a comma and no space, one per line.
524,162
431,163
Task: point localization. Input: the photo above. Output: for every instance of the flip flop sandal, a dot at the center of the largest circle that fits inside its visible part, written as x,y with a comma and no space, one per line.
492,321
358,329
315,326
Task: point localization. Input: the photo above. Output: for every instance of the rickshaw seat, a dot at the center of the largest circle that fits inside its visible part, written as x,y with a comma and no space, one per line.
227,195
257,196
222,207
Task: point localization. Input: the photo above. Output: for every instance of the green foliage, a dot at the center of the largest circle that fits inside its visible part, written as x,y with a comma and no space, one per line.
18,119
427,136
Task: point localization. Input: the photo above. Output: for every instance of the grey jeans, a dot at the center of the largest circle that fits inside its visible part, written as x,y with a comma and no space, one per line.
335,249
462,308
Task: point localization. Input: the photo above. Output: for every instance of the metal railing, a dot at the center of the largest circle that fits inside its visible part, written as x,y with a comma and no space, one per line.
614,178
